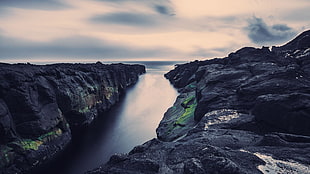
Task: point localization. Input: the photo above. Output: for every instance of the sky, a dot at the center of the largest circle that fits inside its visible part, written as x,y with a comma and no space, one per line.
107,30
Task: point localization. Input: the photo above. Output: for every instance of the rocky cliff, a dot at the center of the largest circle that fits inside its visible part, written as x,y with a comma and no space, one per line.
40,105
246,113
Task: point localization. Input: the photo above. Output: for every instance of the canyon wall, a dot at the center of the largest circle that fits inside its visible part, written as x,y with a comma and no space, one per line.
41,104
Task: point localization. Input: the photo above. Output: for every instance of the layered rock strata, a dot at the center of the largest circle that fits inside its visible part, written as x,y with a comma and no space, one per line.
41,104
246,113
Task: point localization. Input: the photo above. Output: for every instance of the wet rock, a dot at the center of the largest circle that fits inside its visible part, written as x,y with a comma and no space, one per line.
40,105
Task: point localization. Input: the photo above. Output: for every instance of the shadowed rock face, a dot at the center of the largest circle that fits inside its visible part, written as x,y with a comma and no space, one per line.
40,105
246,113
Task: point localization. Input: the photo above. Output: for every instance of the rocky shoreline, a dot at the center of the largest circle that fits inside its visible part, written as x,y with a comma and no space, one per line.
41,104
246,113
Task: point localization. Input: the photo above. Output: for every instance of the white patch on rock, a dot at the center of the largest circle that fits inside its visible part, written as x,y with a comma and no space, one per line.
307,51
220,116
274,166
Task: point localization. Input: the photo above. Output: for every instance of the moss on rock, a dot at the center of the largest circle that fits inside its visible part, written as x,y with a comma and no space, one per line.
9,152
50,135
28,144
179,118
188,114
109,91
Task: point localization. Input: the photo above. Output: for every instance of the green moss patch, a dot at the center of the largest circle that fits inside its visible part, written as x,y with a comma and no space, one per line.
188,100
8,152
188,114
190,105
179,118
28,144
50,135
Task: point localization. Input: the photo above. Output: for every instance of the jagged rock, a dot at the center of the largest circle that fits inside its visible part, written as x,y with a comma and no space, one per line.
220,147
301,42
269,84
246,113
40,105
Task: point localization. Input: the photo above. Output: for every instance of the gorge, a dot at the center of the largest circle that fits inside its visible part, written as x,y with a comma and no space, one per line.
132,121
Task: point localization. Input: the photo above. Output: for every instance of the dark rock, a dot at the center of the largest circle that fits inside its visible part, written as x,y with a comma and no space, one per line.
179,118
302,41
217,149
7,130
289,112
269,84
246,113
40,105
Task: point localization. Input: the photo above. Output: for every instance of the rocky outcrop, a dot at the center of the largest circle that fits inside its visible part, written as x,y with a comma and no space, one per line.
40,105
246,113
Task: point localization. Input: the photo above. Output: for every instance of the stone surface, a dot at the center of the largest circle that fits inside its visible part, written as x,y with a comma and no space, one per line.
40,105
246,113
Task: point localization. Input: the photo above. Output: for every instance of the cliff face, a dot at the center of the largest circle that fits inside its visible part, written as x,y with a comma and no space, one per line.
40,105
246,113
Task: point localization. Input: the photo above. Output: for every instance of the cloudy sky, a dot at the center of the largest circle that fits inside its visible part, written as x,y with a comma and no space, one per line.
92,30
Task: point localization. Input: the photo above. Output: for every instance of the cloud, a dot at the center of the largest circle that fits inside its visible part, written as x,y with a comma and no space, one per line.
34,4
281,27
210,52
140,1
261,33
301,14
162,9
125,18
75,47
138,13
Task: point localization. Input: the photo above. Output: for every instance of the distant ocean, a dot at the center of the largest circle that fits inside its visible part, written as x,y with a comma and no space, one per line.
156,66
151,66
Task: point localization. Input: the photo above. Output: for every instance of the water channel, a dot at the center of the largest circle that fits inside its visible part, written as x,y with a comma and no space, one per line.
131,122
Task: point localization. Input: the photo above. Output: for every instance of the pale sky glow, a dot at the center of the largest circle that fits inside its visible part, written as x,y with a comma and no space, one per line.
55,30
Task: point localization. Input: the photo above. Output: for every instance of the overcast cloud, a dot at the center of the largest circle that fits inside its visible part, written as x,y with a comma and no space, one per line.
144,29
34,4
261,33
124,18
76,47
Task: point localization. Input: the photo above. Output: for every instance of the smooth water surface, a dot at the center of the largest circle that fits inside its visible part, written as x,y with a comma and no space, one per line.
131,122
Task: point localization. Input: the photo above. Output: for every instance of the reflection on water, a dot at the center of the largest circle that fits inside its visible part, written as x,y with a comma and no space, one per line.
132,122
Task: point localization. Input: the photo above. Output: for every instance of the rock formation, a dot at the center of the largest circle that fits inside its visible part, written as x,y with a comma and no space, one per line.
246,113
41,104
